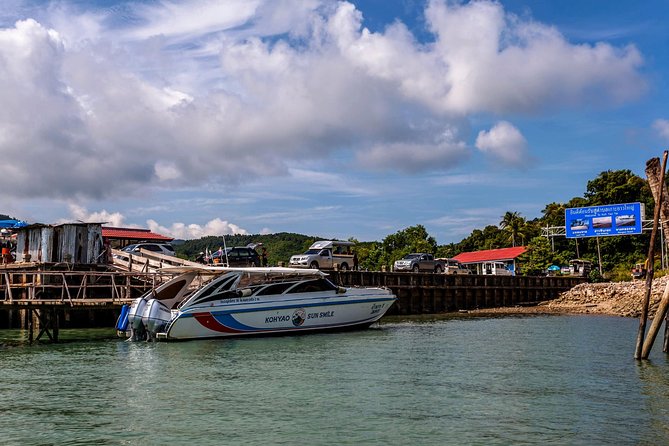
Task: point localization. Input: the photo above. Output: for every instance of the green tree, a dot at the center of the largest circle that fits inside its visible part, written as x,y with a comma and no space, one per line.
538,256
618,186
514,224
553,215
371,256
411,239
491,237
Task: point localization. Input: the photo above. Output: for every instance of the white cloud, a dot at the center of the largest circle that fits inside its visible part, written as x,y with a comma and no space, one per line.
80,213
195,17
501,63
215,227
166,171
661,126
505,143
332,182
413,158
182,93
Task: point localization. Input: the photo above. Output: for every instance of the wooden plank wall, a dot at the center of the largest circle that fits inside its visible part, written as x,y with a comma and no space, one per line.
425,293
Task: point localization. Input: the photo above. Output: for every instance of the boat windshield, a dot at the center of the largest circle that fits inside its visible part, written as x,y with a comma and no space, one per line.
255,278
230,284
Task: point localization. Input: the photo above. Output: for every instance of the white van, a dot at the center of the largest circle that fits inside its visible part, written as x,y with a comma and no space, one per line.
325,254
452,266
495,269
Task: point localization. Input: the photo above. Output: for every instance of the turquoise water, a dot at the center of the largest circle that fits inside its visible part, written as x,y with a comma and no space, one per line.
488,381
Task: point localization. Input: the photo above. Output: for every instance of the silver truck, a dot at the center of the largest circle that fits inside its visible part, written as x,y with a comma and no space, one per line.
419,261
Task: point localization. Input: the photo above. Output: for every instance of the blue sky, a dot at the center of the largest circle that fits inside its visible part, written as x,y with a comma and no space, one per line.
337,119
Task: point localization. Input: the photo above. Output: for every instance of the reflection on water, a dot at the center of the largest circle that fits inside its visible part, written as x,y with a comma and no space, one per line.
532,380
655,393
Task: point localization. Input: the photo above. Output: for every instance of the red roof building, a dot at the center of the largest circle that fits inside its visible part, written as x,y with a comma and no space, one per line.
123,236
507,256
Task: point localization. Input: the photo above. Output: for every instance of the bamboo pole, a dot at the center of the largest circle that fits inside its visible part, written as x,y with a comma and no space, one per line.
661,312
643,319
656,324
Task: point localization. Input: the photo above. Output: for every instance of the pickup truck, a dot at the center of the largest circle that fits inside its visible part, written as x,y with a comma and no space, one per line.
326,254
419,262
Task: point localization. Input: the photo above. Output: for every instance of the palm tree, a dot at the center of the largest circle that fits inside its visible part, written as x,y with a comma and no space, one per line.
513,223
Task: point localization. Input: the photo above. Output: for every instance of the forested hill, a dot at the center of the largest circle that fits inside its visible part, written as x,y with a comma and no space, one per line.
279,246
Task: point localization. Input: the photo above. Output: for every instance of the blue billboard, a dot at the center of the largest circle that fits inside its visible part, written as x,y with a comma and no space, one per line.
599,221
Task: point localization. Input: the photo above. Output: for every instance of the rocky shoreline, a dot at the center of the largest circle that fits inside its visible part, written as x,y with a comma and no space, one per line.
623,299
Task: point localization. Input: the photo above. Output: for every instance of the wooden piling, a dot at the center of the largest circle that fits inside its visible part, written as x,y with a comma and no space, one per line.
643,319
656,324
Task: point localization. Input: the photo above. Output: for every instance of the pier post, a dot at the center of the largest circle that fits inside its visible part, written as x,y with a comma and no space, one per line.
643,319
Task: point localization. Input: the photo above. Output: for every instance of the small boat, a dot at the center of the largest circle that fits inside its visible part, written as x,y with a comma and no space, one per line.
212,302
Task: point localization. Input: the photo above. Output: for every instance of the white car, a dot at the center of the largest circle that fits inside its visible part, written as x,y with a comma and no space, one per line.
160,248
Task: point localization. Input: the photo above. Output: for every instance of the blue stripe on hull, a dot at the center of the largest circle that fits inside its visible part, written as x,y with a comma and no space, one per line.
282,307
229,321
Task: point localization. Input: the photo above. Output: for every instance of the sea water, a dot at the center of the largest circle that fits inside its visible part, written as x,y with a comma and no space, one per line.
490,381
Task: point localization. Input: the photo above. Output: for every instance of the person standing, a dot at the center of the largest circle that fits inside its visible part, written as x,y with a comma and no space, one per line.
263,257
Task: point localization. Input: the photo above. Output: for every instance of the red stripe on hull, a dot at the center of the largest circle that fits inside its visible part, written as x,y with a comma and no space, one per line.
208,321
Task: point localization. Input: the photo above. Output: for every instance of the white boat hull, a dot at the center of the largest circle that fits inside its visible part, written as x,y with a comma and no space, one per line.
252,301
261,317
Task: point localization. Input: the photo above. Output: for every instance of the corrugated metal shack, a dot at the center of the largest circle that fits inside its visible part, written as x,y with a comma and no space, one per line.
70,242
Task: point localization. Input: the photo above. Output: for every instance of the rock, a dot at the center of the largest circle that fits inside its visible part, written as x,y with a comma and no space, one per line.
615,298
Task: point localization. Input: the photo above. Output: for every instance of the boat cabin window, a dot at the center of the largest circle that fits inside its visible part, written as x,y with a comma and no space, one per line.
216,287
170,291
311,286
276,288
228,294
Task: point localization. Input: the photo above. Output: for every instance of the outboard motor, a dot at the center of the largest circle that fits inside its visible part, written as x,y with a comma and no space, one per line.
122,321
137,330
155,317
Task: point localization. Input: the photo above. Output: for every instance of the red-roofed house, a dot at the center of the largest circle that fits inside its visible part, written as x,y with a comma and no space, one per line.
118,237
483,262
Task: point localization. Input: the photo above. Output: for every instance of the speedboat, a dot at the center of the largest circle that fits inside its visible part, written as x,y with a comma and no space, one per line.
214,302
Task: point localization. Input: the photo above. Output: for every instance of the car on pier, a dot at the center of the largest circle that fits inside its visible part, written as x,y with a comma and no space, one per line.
452,266
237,256
158,248
326,254
419,261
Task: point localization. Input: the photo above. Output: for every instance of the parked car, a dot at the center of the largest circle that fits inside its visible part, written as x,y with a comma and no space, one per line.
160,248
639,271
419,262
578,267
237,256
496,269
452,266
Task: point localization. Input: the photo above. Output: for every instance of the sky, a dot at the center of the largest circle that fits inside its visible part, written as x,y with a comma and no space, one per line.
330,118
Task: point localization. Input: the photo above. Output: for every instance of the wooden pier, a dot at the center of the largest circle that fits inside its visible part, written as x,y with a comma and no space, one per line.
38,297
43,298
